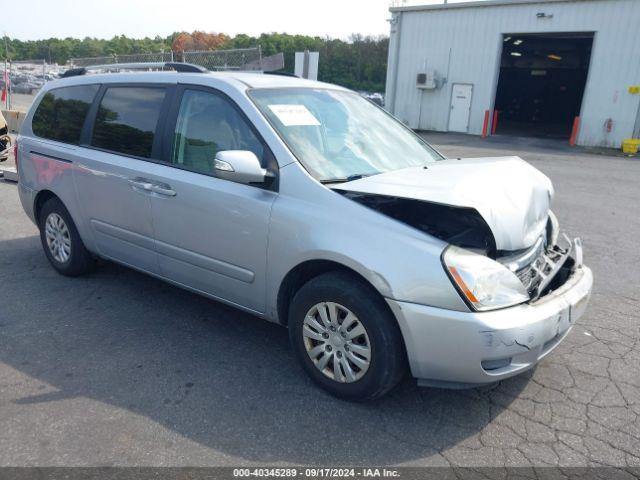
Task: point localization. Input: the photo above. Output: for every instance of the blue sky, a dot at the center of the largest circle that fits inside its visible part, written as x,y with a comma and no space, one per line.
36,19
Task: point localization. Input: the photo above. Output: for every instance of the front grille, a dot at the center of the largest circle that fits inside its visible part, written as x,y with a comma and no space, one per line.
537,266
539,273
530,276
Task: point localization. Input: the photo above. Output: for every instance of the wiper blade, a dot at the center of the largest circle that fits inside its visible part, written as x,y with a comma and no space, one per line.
350,178
333,180
358,176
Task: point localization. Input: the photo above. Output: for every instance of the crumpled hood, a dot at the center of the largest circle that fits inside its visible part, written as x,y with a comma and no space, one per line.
512,196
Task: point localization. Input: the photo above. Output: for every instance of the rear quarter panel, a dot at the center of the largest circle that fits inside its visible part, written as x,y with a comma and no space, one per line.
45,165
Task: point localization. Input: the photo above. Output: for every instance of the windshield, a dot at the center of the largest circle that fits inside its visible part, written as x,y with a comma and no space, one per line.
340,136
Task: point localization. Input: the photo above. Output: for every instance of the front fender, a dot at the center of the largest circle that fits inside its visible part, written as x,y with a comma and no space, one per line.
311,222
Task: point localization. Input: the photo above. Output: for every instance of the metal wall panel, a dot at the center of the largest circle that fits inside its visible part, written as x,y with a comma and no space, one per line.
464,45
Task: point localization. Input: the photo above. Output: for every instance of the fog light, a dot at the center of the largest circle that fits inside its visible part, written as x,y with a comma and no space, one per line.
489,365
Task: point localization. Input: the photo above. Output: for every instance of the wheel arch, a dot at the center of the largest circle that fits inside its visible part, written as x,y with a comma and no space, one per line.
305,271
41,198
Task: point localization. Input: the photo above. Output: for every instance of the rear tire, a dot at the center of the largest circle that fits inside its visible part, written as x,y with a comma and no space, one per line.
61,242
346,338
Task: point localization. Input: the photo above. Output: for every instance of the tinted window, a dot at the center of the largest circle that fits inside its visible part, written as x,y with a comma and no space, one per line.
207,124
61,113
127,120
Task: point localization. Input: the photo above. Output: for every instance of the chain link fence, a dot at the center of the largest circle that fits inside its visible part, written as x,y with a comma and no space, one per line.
222,60
20,81
213,60
26,77
129,58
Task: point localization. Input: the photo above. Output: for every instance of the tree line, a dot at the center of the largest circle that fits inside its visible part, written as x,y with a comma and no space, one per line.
359,63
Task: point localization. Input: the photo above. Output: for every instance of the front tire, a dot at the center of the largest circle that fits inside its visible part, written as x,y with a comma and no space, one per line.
346,338
61,242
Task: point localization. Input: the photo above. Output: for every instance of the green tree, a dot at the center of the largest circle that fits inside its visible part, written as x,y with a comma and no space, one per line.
359,63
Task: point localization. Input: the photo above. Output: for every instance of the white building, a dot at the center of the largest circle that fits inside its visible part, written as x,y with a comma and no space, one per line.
538,63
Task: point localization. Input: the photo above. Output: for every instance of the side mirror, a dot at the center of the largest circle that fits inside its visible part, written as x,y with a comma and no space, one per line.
240,166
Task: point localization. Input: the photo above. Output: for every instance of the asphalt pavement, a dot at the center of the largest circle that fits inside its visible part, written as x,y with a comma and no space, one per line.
117,368
21,101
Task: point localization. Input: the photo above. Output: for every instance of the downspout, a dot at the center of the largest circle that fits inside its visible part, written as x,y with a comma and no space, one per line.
392,68
636,128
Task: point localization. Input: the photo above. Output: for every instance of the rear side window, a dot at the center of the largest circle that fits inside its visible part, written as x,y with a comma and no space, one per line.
127,119
61,113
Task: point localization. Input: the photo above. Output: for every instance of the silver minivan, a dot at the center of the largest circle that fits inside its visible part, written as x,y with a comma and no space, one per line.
307,205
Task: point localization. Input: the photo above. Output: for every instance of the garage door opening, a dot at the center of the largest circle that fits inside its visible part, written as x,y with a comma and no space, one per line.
541,83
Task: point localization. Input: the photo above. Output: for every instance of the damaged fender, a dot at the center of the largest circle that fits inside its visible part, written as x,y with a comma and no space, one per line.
510,195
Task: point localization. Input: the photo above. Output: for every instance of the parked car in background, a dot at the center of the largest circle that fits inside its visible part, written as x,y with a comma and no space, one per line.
376,97
26,88
307,205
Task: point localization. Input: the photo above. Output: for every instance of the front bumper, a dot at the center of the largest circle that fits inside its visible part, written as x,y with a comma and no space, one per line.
464,349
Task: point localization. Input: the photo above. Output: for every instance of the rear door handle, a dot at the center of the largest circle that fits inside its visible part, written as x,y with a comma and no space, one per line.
140,184
163,190
145,185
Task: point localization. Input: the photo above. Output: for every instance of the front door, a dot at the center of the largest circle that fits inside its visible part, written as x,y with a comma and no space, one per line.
460,107
211,234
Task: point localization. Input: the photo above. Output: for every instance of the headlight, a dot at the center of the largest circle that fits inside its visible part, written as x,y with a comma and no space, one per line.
484,283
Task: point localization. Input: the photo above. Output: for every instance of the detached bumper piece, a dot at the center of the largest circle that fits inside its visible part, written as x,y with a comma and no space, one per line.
10,174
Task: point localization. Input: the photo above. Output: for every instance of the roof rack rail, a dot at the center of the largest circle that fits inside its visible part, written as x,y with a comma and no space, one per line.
177,66
73,72
281,73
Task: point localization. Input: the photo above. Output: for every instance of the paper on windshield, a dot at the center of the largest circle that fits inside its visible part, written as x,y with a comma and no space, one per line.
294,115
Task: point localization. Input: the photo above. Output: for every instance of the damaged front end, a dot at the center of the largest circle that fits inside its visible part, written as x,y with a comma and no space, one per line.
541,268
544,268
461,226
